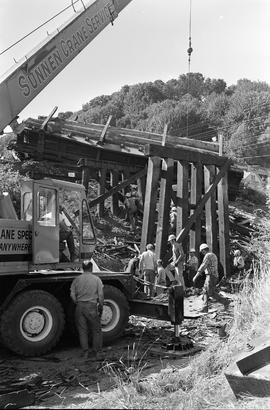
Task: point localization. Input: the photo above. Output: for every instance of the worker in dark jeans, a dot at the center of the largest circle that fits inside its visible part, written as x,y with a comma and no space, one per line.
87,293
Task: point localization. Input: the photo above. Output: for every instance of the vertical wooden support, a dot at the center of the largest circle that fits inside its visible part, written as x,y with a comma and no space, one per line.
85,178
223,224
101,190
195,196
125,175
164,207
114,179
141,182
211,211
182,195
149,213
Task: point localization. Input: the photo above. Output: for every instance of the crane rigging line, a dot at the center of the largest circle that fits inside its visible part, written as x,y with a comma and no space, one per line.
189,51
38,27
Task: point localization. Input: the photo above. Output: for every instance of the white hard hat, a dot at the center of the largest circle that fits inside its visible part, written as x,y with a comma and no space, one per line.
203,246
237,252
171,237
192,250
149,246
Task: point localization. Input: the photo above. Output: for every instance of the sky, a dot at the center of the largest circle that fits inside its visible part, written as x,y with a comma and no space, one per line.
148,42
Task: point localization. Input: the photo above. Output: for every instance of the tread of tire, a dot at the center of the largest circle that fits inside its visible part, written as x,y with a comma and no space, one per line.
6,336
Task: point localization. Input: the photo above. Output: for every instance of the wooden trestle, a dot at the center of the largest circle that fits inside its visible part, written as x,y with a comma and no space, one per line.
188,173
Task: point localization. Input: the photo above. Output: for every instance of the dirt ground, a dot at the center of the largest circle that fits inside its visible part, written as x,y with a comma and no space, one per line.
62,378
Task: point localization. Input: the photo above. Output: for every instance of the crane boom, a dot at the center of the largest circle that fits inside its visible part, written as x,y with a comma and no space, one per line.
30,75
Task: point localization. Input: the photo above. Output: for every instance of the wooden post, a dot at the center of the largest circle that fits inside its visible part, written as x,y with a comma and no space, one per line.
85,178
101,190
114,179
149,213
211,211
195,196
223,224
182,195
164,207
141,182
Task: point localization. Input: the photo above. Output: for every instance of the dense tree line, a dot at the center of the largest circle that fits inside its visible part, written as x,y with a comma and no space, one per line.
192,106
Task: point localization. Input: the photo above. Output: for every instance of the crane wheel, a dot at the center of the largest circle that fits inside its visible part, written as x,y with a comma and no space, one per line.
115,314
33,323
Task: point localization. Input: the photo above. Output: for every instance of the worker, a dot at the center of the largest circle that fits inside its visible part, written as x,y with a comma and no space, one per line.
65,235
238,262
148,268
191,267
87,293
178,257
131,209
160,278
209,265
133,264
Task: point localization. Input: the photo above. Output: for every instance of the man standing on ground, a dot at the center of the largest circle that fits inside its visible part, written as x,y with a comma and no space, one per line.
178,260
148,267
210,267
87,293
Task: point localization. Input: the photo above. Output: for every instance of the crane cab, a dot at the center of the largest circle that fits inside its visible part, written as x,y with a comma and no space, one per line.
55,230
61,227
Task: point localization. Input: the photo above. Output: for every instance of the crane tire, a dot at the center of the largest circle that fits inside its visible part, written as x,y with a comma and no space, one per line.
115,314
33,323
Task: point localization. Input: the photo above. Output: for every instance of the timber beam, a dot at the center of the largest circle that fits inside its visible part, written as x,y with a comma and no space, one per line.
183,154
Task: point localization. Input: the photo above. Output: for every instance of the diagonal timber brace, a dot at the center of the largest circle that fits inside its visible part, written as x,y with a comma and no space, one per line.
117,188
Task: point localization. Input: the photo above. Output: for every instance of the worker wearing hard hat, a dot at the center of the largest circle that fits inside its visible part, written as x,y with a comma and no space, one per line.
178,257
210,267
238,262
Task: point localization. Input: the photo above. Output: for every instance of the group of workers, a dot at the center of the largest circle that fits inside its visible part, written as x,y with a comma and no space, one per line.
157,278
87,289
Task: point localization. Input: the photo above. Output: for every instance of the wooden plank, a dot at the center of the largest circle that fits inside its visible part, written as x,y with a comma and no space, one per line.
164,136
114,178
164,207
120,186
103,133
101,191
223,225
211,210
183,154
182,195
45,122
149,213
203,201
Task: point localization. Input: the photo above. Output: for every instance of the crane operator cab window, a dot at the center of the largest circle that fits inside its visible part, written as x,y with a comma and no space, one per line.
27,206
46,214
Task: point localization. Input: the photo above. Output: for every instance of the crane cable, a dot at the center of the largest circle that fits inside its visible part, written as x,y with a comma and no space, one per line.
41,25
189,51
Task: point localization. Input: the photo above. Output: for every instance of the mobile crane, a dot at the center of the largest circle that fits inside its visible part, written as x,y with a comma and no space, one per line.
35,306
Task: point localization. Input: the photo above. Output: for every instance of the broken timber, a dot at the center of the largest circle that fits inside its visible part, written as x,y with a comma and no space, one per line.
166,169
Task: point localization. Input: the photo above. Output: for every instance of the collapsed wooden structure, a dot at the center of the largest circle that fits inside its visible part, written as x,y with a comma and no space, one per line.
188,173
